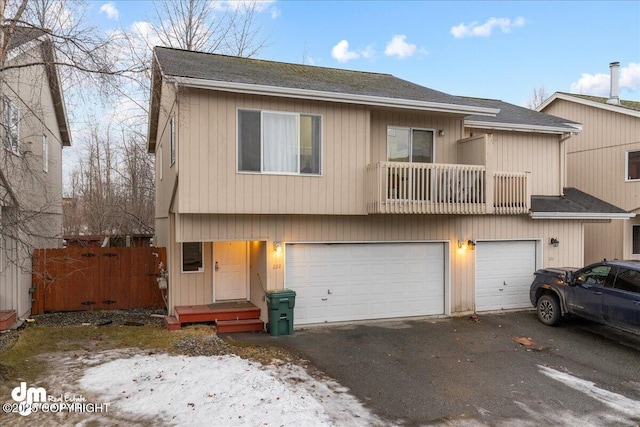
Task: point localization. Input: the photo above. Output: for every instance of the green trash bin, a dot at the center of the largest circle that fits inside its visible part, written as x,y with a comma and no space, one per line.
281,304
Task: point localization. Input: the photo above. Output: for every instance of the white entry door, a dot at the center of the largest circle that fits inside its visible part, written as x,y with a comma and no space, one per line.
504,272
230,266
347,281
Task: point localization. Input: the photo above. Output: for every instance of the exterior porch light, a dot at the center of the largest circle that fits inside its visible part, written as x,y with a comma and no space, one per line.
462,244
277,247
554,242
471,244
441,132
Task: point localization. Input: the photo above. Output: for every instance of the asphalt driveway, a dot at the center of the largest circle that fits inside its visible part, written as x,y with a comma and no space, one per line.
465,372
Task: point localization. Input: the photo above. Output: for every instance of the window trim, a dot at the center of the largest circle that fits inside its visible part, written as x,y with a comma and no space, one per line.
626,166
45,153
8,106
411,129
298,115
172,140
200,269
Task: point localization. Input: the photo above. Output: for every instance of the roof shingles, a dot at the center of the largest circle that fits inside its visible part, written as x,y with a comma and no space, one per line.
573,201
231,69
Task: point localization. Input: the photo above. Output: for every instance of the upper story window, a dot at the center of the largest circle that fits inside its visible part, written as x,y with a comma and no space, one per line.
409,145
11,119
275,142
633,165
45,153
172,141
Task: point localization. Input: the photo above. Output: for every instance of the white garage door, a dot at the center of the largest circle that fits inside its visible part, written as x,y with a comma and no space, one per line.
504,272
343,282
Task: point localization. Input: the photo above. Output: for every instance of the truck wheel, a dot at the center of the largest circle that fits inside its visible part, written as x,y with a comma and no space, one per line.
548,309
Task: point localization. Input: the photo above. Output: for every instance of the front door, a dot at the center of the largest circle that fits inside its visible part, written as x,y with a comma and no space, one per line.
230,266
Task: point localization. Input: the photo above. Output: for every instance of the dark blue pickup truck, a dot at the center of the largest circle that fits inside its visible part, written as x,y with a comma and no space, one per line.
606,292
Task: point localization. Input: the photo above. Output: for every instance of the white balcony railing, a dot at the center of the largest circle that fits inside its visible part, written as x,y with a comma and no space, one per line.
435,188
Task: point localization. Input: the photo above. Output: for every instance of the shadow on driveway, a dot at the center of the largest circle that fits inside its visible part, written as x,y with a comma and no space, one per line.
458,371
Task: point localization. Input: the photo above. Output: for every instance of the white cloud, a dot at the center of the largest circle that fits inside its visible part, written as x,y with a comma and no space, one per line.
592,84
275,13
600,85
399,47
369,52
475,29
342,53
630,76
110,10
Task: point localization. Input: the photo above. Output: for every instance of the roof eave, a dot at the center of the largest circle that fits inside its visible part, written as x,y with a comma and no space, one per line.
154,105
523,127
609,107
583,216
57,95
333,96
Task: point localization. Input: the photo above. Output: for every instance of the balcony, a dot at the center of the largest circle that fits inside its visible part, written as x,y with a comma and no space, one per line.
433,188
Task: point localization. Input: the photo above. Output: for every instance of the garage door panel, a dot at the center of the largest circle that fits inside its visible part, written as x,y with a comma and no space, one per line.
504,270
365,281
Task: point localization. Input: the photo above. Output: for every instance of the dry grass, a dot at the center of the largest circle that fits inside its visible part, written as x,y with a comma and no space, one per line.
26,359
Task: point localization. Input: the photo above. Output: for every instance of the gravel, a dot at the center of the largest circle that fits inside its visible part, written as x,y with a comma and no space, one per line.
138,316
83,318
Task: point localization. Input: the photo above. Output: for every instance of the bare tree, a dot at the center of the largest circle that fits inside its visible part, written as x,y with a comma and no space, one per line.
201,26
538,97
112,188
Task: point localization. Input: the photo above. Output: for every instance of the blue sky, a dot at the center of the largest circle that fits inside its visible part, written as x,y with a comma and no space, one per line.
484,49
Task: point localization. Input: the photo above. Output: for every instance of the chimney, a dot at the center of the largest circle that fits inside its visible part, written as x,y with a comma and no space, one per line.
613,96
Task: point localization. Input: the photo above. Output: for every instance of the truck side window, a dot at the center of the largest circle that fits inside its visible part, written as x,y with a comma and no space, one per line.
628,280
596,276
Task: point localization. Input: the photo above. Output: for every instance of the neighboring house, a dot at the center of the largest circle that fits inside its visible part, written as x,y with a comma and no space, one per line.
34,131
369,196
604,160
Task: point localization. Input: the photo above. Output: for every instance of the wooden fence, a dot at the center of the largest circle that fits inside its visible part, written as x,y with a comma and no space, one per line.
74,279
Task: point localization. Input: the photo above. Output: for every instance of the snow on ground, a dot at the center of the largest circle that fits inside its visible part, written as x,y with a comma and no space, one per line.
220,391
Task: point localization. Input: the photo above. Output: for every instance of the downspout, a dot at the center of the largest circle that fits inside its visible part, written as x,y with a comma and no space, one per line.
563,161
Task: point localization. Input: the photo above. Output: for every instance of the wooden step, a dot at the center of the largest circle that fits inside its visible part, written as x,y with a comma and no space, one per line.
206,313
171,322
242,325
7,318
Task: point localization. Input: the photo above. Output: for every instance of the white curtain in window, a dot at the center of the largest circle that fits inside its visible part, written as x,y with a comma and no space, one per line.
280,142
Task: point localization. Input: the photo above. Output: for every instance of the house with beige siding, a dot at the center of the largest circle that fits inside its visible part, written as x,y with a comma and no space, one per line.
369,196
34,131
604,160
